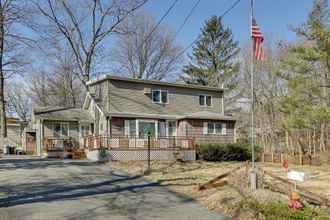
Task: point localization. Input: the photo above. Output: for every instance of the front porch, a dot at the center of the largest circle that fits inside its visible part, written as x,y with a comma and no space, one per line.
124,142
137,148
63,148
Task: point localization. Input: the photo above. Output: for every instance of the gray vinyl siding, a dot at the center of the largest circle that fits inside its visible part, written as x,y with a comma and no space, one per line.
14,137
194,128
130,97
100,91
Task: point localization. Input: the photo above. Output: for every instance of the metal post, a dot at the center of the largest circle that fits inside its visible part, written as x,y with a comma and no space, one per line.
253,170
148,171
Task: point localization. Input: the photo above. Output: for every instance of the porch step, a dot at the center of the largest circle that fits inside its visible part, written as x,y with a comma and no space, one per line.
79,154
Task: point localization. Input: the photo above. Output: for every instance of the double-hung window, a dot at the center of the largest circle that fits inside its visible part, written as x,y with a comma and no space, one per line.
205,100
215,128
160,96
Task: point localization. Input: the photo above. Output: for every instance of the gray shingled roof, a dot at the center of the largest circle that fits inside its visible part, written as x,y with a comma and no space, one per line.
61,113
154,82
210,116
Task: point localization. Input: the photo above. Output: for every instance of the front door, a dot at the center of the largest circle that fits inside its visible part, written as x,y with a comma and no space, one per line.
31,146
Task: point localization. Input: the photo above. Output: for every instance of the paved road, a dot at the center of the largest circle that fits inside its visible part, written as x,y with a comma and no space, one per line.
32,188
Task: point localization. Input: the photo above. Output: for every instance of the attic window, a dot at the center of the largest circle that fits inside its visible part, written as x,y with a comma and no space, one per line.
160,96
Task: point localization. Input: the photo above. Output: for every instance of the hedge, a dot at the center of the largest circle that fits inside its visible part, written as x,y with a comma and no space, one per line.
225,152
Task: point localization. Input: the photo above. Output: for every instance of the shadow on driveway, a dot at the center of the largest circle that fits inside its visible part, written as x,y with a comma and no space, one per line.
86,190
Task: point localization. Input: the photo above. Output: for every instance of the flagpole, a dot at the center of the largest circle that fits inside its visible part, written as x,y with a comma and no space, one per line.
253,170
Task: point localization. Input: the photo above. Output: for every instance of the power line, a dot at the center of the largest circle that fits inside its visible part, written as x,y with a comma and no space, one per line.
197,38
186,19
160,21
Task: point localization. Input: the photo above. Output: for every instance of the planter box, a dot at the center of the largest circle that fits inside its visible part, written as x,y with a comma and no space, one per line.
57,154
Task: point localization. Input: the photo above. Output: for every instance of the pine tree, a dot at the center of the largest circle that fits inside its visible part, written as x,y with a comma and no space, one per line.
213,60
307,68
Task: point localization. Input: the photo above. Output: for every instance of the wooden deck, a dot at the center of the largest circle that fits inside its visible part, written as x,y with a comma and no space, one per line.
94,142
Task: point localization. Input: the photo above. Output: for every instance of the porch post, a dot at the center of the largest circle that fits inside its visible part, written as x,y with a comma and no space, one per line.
108,131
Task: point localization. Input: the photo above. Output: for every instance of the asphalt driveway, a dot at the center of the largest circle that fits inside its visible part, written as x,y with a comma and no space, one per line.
33,188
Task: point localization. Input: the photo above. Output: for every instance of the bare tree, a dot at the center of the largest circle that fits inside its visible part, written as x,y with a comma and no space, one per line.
13,15
85,26
58,85
145,52
18,101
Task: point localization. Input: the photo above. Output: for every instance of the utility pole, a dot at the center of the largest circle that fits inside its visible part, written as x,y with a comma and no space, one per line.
253,168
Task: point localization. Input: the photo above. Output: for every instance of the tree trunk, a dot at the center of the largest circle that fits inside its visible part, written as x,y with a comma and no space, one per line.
3,132
322,147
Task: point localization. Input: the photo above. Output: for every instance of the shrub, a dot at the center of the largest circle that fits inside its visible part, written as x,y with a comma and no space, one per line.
225,152
280,211
103,153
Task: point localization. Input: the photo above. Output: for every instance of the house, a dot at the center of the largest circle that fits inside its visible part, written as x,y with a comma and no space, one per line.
15,129
120,113
125,108
57,128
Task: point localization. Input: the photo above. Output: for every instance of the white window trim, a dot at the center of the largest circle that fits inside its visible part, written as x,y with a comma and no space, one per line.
168,130
214,131
137,121
223,128
146,120
160,99
205,105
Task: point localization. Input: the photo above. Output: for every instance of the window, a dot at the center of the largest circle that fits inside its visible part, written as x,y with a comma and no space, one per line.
210,128
147,127
140,128
205,100
132,128
215,128
84,130
65,130
162,128
160,96
57,130
171,128
60,130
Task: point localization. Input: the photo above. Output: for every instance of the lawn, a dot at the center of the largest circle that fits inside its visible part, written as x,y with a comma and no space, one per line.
184,177
318,177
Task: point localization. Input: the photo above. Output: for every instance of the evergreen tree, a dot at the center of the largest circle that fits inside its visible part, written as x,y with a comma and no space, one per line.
213,61
306,69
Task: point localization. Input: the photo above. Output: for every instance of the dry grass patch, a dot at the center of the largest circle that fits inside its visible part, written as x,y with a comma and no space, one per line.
318,177
184,177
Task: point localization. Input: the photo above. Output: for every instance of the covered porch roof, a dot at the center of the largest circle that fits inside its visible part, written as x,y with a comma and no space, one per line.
63,114
197,115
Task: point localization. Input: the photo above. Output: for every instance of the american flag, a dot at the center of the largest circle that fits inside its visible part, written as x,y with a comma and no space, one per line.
257,40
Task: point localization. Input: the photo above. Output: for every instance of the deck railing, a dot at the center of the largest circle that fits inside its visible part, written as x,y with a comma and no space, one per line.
65,144
124,142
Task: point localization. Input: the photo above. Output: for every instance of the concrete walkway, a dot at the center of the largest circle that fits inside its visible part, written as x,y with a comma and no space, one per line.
32,188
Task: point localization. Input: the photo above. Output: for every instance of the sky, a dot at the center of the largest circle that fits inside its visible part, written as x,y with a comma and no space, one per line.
273,16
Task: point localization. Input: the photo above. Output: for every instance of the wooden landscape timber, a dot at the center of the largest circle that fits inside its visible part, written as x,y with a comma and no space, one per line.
309,196
213,183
